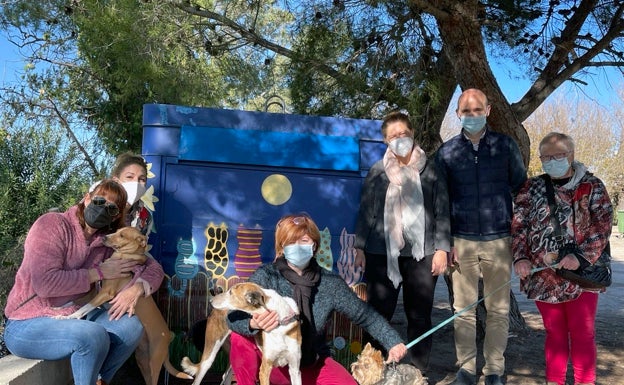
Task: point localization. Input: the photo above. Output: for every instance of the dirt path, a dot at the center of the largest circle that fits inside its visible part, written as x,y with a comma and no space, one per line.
525,353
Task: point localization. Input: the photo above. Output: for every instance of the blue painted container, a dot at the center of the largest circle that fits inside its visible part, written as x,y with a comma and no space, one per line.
218,171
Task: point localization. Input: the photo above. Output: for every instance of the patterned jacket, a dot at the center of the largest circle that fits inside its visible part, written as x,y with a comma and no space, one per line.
585,214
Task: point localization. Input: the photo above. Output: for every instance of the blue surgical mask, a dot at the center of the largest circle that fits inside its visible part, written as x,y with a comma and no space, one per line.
401,146
299,255
473,124
556,168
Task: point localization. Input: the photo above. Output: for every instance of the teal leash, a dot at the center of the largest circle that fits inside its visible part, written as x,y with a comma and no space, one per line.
462,311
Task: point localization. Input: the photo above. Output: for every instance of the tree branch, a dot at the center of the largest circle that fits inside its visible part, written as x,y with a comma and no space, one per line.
72,136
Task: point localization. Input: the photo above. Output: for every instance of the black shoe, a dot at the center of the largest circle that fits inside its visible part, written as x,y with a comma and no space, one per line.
493,379
464,378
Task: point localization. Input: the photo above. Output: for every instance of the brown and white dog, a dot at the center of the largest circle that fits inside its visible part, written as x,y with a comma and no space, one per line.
281,346
370,369
153,350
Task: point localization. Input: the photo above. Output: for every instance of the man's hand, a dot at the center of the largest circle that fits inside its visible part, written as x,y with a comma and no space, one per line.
452,257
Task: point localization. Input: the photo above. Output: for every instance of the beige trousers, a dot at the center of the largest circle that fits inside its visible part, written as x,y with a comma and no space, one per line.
492,261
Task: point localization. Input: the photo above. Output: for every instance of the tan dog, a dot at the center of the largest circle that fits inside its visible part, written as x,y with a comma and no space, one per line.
281,346
153,350
370,369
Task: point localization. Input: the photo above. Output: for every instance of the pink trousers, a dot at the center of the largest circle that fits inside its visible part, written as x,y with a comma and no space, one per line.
570,334
245,358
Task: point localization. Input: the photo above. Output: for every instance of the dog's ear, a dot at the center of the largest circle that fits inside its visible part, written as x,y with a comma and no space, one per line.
255,299
141,240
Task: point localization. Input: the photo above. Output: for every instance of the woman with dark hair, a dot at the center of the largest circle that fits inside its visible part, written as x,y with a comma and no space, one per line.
318,293
64,259
131,171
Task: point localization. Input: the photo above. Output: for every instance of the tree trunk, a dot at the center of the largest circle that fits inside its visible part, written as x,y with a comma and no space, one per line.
458,29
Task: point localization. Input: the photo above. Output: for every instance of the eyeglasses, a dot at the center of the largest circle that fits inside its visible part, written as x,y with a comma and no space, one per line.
111,208
399,135
296,220
558,156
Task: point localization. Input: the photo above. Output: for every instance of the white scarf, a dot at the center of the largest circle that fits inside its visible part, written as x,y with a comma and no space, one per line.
404,211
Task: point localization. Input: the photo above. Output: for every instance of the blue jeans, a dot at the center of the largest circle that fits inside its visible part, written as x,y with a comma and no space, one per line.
95,345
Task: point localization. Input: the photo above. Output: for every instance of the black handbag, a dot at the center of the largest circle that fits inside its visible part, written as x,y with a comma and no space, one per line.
589,276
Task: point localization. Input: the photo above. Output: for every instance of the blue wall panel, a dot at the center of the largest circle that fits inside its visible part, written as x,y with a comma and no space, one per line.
221,173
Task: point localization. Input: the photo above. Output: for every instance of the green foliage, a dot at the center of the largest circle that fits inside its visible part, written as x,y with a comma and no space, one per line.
100,62
38,173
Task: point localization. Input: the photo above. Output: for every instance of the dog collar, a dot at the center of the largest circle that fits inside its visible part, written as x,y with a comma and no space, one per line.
292,317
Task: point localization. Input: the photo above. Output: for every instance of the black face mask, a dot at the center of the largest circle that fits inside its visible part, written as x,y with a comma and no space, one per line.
97,217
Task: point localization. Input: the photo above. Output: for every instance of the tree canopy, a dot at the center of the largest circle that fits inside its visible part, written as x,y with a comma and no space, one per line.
353,58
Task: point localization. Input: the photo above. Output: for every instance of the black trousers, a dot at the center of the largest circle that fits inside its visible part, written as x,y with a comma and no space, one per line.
418,291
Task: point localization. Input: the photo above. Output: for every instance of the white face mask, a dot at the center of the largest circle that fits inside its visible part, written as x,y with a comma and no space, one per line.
135,191
401,146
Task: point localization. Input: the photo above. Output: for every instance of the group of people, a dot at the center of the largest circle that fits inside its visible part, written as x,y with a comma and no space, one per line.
420,217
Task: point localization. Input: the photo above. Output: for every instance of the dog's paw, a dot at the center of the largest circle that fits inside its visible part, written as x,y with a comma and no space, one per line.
188,366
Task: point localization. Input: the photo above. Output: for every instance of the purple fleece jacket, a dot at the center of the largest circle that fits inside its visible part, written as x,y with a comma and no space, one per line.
55,268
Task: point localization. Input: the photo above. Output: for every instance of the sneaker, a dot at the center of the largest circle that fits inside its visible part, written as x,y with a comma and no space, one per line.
463,377
493,379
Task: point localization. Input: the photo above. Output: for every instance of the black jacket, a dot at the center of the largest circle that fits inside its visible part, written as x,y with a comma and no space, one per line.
481,184
369,228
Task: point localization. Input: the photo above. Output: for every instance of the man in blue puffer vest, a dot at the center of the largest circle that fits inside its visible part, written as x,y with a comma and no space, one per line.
483,170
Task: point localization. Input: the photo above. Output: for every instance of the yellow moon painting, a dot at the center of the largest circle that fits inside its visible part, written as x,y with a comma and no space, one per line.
276,189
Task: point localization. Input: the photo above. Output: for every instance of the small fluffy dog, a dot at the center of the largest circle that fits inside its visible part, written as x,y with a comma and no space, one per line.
281,346
370,369
153,351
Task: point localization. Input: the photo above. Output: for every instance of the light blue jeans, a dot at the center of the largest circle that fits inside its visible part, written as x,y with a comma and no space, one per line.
95,345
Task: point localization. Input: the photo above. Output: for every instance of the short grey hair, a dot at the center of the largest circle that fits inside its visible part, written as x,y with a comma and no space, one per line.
557,137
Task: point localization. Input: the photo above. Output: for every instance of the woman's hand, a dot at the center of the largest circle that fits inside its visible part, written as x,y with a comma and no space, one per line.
523,268
125,301
438,265
114,267
397,352
360,259
266,321
569,262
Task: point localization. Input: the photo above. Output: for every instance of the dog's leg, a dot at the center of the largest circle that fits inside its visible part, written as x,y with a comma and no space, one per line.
217,333
295,374
141,354
102,297
265,371
294,359
153,351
